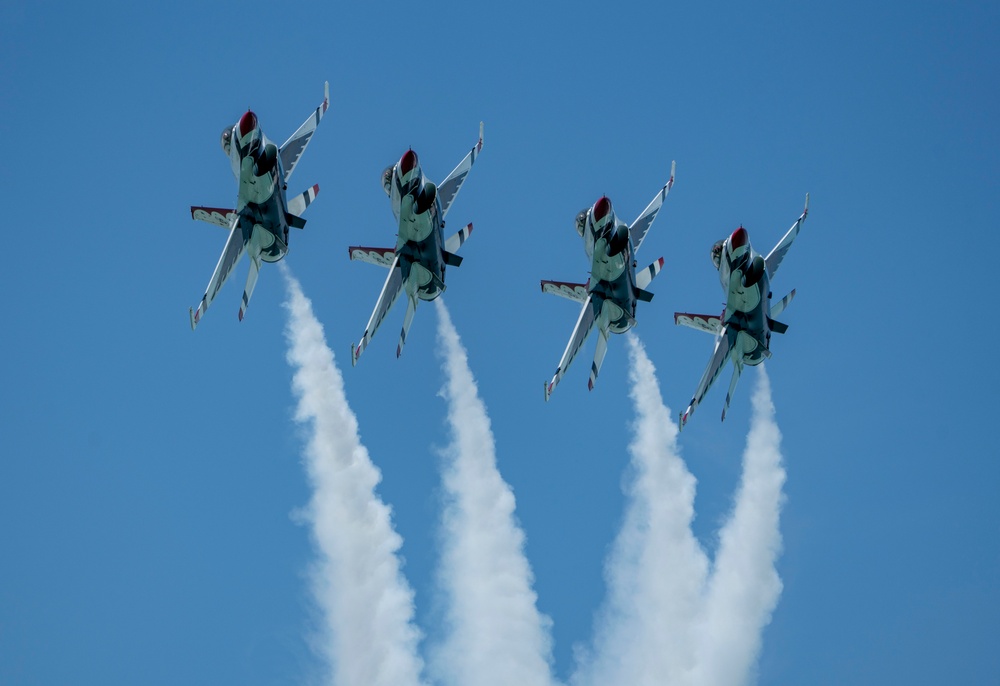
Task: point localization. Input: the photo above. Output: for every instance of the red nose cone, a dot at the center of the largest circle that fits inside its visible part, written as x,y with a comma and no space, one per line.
248,122
407,163
739,238
601,208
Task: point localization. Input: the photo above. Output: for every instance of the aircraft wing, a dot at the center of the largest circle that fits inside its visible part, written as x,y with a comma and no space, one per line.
390,291
230,256
219,216
702,322
773,259
637,232
712,371
292,149
383,257
449,188
584,324
572,291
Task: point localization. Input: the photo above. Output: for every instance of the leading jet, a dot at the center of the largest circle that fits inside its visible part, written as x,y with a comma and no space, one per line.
259,224
743,330
417,263
610,295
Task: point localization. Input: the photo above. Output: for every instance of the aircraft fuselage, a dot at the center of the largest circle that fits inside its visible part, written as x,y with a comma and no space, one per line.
748,298
260,202
420,239
612,271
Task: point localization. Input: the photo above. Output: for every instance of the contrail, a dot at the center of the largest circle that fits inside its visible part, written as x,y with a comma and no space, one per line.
656,570
744,587
369,638
495,634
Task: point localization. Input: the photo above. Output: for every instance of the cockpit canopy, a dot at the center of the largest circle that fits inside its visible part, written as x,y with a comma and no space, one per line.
227,139
717,253
387,180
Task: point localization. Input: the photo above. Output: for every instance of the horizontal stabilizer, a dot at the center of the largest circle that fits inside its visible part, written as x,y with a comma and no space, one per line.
644,296
299,203
383,257
776,327
456,241
451,259
214,215
779,307
703,322
572,291
643,278
295,222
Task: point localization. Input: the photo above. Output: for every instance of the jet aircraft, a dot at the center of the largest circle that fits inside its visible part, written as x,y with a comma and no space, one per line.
259,223
610,295
417,263
743,330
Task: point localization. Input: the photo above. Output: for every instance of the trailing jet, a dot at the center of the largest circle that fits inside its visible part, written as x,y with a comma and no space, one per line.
610,295
259,224
417,263
743,331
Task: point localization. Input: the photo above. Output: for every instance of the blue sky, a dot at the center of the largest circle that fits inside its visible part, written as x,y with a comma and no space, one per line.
151,479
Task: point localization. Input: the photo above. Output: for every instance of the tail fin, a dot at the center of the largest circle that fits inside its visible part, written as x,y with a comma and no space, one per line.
779,307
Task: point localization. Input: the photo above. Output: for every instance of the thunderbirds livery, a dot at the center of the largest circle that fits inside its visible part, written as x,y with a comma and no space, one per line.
743,331
610,295
417,263
259,224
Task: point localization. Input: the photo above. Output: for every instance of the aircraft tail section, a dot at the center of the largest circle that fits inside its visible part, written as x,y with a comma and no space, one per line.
643,278
411,308
599,353
219,216
779,307
383,257
709,323
455,241
298,204
570,291
737,368
251,281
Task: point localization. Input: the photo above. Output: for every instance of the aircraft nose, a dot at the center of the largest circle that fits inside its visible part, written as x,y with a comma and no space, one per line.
407,163
248,123
601,208
739,238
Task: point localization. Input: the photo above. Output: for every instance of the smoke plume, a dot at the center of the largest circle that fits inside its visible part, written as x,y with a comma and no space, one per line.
495,635
368,636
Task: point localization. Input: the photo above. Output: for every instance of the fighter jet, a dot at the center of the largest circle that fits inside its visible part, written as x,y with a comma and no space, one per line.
610,295
743,330
259,224
417,263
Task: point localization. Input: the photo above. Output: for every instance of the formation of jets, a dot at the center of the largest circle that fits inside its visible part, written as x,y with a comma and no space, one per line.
259,226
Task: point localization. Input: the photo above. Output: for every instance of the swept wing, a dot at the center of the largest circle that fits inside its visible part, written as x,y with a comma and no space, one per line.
584,324
712,371
292,149
637,232
773,259
448,189
390,291
230,256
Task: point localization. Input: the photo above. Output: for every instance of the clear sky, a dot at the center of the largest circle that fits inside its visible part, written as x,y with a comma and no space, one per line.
152,479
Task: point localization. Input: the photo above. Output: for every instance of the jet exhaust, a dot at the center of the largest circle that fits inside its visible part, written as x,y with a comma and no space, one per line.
367,636
670,617
494,633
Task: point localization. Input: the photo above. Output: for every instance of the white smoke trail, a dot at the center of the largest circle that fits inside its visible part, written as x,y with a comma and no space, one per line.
495,634
745,586
369,638
656,570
